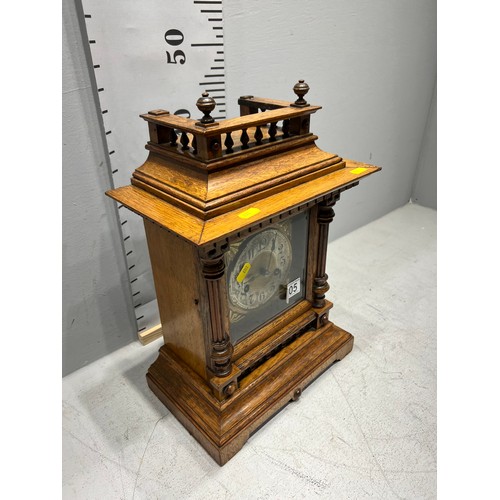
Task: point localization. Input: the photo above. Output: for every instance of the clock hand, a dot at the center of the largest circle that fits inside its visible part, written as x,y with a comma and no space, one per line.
246,284
273,246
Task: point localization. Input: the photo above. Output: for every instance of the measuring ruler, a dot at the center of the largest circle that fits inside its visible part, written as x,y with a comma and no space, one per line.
149,55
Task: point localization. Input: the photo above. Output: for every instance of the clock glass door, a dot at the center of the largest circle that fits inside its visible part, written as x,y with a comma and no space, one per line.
266,274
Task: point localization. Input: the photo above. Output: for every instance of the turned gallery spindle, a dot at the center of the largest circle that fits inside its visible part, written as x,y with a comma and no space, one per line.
258,136
184,141
272,131
229,143
244,139
286,128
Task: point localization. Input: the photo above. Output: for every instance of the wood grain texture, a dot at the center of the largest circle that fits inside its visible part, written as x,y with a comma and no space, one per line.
276,324
312,251
236,157
277,203
262,103
203,232
197,199
179,292
221,349
150,335
222,428
278,332
207,194
188,125
325,216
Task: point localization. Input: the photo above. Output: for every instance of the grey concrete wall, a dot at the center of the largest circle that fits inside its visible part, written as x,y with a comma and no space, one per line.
370,64
97,310
425,183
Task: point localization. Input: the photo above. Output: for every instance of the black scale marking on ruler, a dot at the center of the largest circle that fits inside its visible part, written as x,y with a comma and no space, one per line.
212,11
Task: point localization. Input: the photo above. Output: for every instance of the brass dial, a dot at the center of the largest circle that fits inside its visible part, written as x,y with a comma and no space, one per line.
260,268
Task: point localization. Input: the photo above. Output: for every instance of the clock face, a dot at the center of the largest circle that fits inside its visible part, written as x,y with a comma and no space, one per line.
266,274
259,268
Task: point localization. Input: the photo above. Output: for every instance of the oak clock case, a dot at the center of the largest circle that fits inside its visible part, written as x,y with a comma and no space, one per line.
236,215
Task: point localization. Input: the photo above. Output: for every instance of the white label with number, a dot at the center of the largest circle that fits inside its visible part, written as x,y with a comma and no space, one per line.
293,288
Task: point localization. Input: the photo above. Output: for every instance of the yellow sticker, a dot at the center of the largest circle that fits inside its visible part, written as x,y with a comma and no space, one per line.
358,170
243,272
249,213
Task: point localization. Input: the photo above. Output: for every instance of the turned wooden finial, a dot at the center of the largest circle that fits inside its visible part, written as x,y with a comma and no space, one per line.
301,89
206,104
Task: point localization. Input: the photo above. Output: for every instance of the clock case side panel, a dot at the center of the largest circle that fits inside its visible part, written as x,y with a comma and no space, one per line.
181,295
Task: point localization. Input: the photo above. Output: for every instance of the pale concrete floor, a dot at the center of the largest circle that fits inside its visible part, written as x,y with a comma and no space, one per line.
365,429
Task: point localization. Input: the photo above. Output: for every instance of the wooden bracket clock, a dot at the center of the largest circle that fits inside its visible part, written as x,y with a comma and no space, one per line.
236,214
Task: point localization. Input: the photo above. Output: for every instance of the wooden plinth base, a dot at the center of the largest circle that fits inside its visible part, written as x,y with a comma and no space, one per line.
223,427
